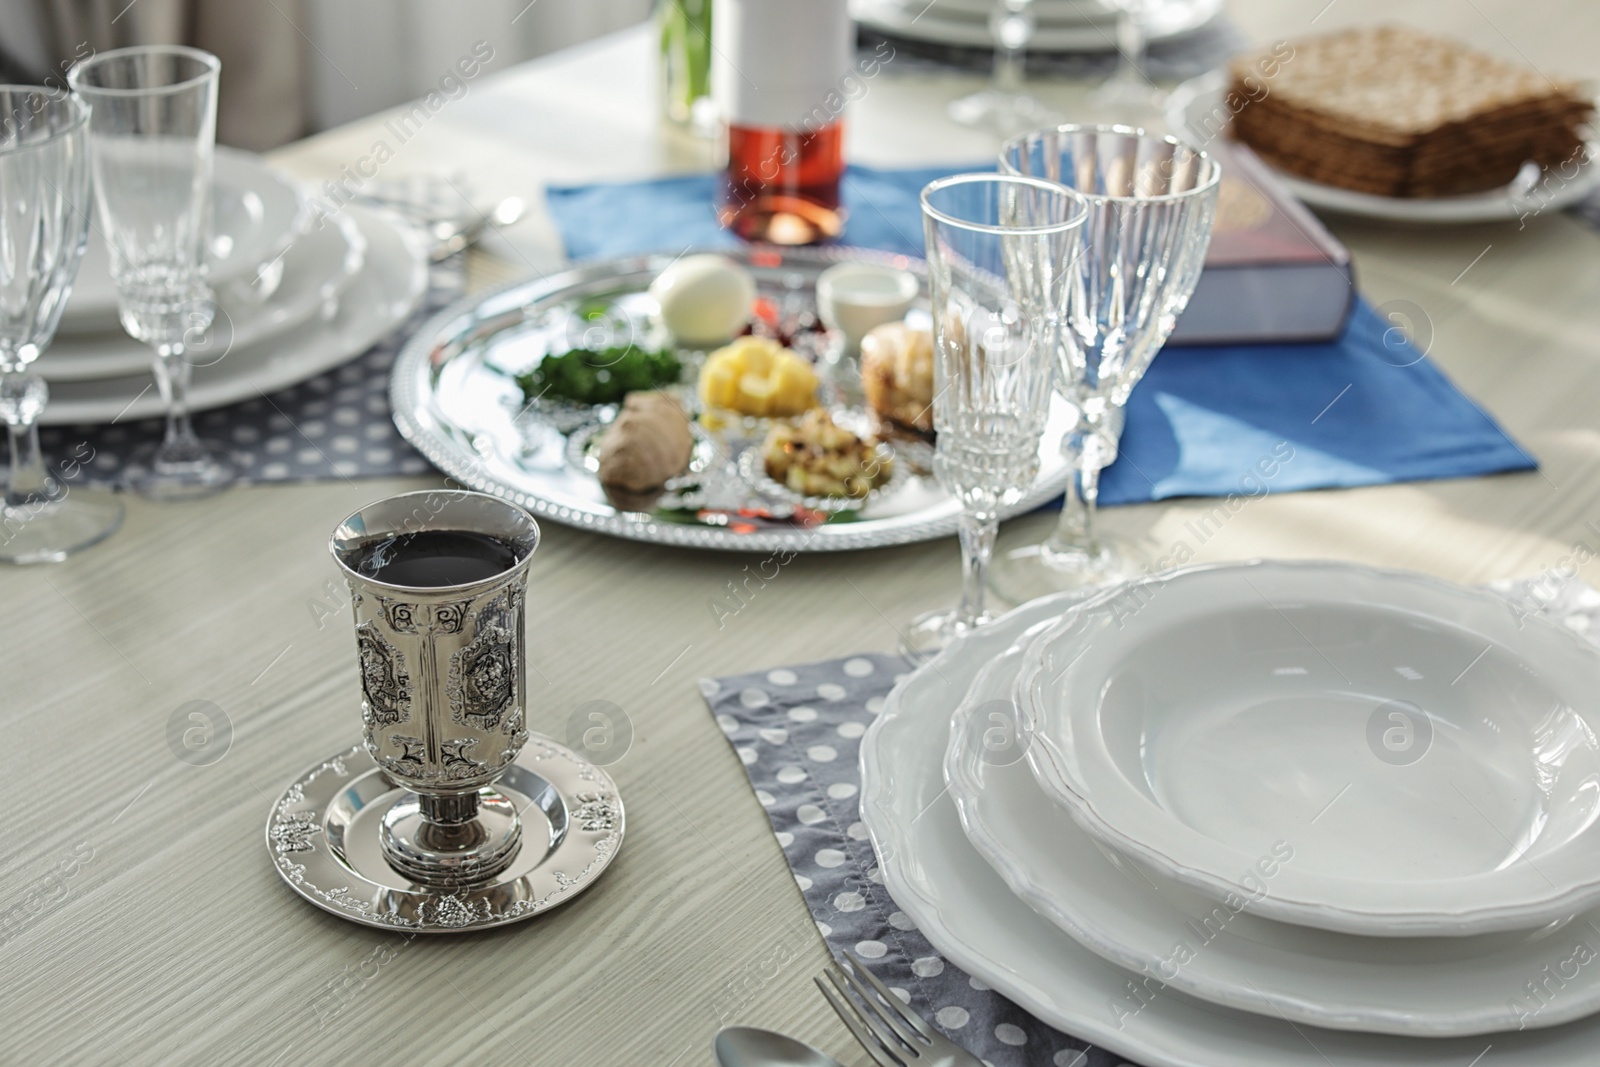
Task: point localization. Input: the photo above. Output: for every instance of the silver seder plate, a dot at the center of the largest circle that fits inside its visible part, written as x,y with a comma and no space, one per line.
323,837
454,396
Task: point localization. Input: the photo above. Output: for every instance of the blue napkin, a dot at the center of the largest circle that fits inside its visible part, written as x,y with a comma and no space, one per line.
1227,420
628,218
1366,409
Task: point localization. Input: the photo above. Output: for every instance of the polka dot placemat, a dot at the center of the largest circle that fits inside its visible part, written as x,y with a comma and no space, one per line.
336,425
798,731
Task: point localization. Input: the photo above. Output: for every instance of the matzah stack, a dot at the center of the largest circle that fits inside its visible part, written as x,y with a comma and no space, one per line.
1396,112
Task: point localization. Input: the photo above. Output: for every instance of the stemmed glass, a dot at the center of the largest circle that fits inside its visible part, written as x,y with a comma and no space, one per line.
44,223
1151,201
1128,89
1001,251
152,133
1005,106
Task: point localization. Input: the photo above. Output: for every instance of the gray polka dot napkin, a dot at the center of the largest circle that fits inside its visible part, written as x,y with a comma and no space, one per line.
336,425
798,731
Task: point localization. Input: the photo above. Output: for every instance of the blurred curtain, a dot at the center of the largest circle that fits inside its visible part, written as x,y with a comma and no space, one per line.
261,101
290,67
373,54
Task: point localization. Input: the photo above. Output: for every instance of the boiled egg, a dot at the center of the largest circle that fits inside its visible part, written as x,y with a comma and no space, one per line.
704,298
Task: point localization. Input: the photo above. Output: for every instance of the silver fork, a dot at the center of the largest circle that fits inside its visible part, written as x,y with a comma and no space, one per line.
893,1035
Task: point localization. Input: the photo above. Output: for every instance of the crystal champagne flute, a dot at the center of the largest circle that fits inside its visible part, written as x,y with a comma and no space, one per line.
1006,106
1128,91
152,133
44,222
1151,201
1001,251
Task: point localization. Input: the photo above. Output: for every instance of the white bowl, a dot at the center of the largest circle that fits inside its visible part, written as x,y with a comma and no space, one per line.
854,298
1134,917
1364,751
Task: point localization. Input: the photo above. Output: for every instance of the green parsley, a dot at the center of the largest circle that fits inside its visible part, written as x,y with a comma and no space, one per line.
605,377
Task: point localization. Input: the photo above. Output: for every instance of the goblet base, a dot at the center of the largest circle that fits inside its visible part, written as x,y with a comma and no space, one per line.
1002,111
452,854
1033,571
325,836
930,632
181,472
1128,100
51,530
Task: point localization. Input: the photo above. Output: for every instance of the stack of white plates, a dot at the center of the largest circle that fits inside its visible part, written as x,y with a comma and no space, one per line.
297,293
1260,815
1060,25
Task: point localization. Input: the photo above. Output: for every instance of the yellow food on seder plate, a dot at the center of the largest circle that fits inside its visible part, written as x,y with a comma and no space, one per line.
816,457
757,376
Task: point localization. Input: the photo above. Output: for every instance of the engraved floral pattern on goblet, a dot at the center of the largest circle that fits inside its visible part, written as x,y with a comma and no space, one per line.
482,682
384,682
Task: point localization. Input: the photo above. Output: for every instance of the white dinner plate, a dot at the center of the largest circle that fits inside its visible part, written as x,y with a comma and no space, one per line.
927,22
1198,113
257,211
316,270
964,908
1069,12
388,288
1135,917
1368,751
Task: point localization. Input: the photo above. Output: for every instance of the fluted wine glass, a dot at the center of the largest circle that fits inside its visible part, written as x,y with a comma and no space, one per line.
1006,106
1151,200
44,223
152,136
1001,252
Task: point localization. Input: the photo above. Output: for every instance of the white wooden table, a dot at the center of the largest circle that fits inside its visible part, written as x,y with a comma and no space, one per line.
142,921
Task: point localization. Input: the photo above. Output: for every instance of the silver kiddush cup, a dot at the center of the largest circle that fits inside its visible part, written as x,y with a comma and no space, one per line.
443,680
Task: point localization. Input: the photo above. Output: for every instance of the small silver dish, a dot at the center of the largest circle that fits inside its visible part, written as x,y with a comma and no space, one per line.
753,469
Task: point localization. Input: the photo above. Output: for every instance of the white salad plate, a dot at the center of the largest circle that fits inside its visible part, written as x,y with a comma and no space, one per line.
316,269
1222,952
257,212
965,909
387,289
1198,112
1059,28
1425,753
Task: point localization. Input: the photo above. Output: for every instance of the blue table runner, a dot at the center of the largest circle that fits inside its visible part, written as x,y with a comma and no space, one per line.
1244,420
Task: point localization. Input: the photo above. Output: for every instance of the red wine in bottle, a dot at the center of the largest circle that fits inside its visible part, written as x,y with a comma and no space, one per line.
782,186
781,76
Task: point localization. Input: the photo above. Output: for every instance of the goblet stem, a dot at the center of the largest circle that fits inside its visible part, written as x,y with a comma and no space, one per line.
1130,45
22,397
1012,30
182,467
173,372
1089,492
977,549
1075,534
449,809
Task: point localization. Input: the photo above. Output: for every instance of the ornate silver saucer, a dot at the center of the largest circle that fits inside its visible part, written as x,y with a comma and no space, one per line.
324,837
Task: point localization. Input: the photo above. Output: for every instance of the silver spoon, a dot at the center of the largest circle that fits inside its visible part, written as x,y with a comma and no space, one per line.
452,238
746,1046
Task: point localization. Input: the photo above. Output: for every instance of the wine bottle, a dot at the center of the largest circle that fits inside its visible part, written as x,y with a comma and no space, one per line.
779,72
